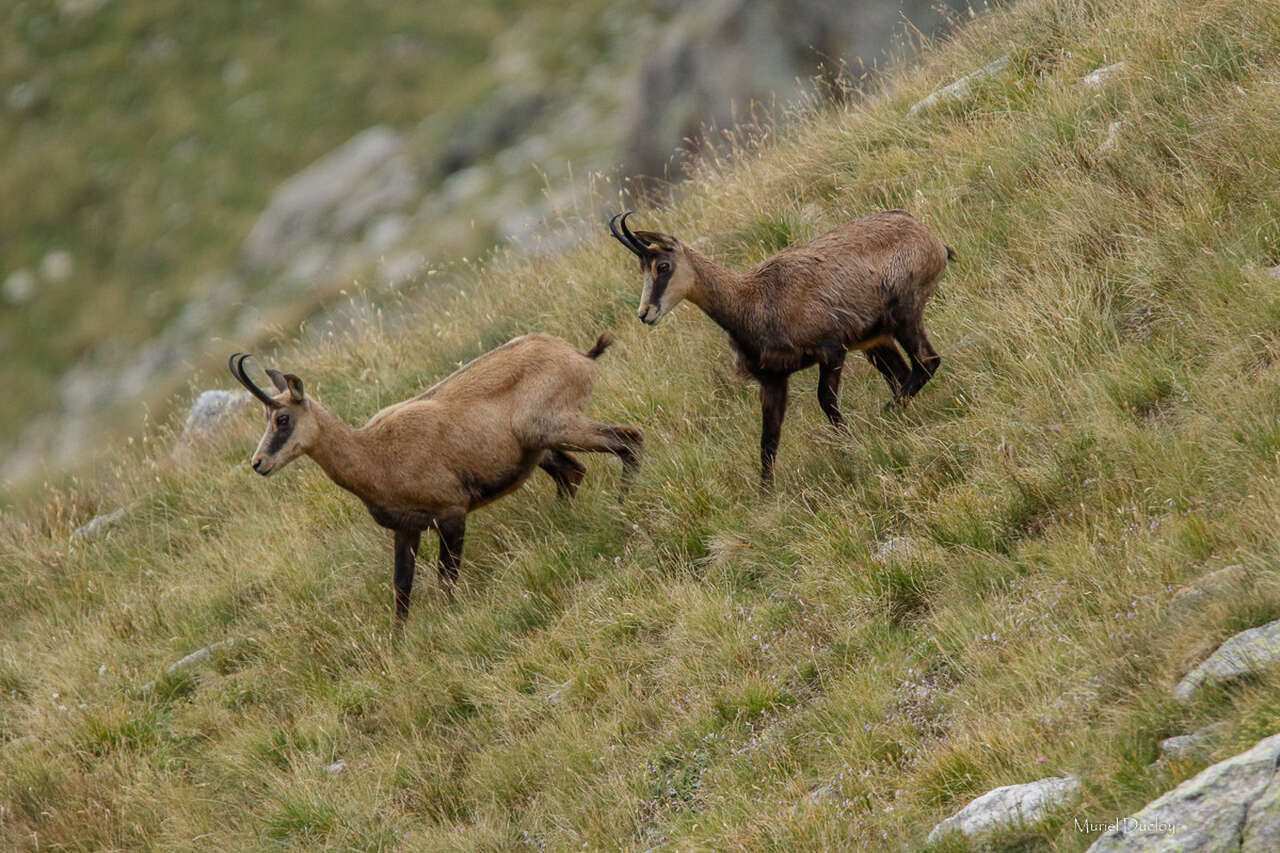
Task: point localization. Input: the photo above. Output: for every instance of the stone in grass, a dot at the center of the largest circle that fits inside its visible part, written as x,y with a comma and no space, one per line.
1099,77
897,548
198,656
1232,806
1216,584
336,768
1191,746
99,525
1246,653
208,411
960,89
1010,807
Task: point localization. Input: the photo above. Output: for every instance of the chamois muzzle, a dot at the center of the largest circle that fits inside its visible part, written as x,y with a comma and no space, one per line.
236,364
625,237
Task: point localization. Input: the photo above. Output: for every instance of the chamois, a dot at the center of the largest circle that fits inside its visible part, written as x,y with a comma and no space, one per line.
860,286
426,462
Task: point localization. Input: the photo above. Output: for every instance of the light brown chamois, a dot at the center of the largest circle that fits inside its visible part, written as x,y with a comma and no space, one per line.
860,286
425,463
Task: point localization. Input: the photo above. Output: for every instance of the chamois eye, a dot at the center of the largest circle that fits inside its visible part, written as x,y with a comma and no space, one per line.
664,267
282,420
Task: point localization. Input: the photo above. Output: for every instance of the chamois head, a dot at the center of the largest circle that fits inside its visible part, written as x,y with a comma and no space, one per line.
291,424
668,277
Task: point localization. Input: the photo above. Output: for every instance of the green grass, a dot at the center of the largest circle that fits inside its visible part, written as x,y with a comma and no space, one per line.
700,667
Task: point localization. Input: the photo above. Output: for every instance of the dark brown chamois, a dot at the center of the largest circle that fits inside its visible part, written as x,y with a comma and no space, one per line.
860,286
470,439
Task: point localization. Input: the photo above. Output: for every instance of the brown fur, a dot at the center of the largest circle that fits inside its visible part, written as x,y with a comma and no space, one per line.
469,440
863,286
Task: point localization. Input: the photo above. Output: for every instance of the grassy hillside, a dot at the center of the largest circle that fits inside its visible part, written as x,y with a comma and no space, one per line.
700,667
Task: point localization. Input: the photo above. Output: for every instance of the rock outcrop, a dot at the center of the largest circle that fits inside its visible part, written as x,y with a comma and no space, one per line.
1009,808
1232,806
1246,653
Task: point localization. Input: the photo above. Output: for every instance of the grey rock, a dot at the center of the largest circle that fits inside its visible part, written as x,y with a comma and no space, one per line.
19,286
208,411
199,656
1010,807
57,266
714,61
960,89
897,548
1190,747
368,176
1274,272
99,525
1213,585
1099,77
1232,806
496,123
1246,653
1113,136
28,96
336,768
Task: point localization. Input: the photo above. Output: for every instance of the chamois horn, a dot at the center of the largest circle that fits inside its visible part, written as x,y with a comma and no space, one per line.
626,238
237,370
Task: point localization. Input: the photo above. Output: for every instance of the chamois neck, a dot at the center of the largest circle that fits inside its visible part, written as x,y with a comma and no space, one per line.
339,453
715,290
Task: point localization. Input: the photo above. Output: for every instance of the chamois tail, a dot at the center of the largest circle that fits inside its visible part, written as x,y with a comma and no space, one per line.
602,343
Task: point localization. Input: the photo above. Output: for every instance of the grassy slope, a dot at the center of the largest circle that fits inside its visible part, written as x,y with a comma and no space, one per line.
689,666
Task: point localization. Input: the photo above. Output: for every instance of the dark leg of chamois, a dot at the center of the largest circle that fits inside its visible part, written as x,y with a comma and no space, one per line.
582,433
406,545
452,529
773,408
565,470
829,388
891,365
924,359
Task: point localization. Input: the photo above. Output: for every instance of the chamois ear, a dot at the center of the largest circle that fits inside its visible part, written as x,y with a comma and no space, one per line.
277,379
657,241
295,388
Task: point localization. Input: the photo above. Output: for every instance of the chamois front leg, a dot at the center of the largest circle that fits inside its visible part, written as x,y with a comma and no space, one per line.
451,527
924,359
773,408
406,547
829,388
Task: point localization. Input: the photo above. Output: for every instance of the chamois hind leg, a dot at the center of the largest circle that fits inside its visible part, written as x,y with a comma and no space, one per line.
924,359
829,388
892,366
565,470
581,433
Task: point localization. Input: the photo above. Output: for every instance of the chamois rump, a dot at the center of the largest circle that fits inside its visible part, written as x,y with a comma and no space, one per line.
426,462
860,286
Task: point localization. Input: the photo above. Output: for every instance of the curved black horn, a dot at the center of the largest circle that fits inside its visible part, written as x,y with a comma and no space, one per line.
629,240
641,246
237,370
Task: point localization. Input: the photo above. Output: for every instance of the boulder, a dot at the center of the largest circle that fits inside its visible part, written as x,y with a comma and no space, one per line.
334,198
1246,653
208,410
1010,807
1232,806
199,656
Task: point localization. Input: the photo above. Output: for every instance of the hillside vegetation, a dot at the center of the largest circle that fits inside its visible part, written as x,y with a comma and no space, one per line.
701,667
